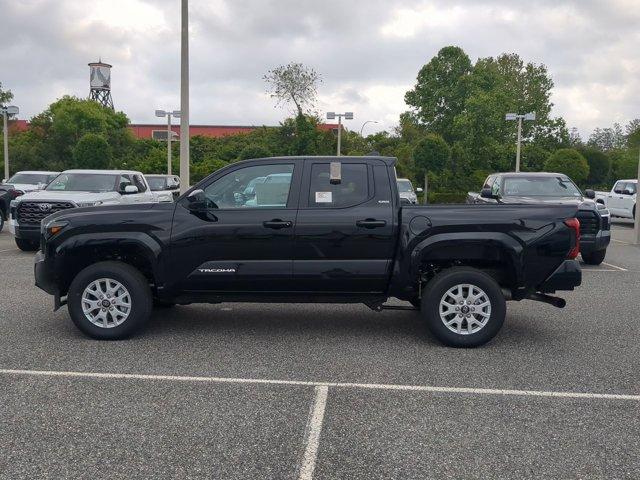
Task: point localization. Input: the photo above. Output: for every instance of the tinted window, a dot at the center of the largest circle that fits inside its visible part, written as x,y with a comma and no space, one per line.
138,181
260,186
125,181
352,190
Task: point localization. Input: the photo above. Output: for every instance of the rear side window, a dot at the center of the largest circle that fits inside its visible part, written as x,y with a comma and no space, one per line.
353,189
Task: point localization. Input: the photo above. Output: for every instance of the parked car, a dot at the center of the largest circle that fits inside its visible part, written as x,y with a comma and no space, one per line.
339,234
167,187
71,189
621,200
7,194
406,191
28,181
552,188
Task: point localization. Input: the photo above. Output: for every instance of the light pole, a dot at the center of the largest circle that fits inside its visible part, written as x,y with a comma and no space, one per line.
176,114
332,116
515,116
6,111
368,121
184,98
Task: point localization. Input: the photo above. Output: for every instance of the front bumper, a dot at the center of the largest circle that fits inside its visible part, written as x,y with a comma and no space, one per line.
27,232
593,243
566,277
43,275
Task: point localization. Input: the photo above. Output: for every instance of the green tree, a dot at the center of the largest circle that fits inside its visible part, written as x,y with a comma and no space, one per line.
294,83
570,162
5,96
254,151
599,165
92,151
441,90
534,158
431,155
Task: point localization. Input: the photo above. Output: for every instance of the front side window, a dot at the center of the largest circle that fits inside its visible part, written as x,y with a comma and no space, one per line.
139,182
352,190
259,186
83,182
619,186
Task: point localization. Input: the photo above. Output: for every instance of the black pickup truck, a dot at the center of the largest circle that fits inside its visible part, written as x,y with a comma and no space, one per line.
543,188
312,229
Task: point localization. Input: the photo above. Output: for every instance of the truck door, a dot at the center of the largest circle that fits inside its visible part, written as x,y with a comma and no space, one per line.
242,240
615,198
344,235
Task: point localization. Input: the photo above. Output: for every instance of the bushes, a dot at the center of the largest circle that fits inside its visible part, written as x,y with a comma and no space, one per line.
569,162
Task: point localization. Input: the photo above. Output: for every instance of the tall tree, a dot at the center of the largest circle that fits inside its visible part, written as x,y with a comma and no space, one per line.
92,151
570,162
431,154
609,138
294,83
5,96
441,90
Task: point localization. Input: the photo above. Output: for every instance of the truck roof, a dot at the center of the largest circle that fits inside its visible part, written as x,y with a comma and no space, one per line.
46,172
104,172
531,174
389,161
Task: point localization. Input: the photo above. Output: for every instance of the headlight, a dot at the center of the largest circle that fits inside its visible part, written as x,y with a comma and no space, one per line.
89,204
52,227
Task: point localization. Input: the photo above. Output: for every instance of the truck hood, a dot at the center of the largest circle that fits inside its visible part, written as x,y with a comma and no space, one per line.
25,187
75,197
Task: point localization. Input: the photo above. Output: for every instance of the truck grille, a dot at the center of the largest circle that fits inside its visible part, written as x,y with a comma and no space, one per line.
588,223
32,213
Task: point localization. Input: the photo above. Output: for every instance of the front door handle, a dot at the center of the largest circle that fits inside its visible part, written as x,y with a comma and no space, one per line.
277,224
371,223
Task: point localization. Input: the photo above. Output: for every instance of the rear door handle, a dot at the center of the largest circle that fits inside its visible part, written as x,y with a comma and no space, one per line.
371,223
277,224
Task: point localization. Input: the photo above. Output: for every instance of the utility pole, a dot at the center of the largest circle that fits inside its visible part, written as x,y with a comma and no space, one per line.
184,99
515,116
332,116
6,111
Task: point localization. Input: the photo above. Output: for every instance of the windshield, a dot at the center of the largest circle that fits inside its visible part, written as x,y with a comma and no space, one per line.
156,183
404,186
83,182
31,178
540,187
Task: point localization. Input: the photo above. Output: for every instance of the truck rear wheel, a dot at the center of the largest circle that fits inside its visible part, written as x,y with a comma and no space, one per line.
594,258
463,307
109,300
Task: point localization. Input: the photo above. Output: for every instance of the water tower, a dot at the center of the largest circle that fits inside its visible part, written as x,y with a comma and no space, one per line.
100,83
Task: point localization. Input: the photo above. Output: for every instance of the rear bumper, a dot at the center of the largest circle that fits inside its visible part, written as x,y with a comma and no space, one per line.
593,243
566,277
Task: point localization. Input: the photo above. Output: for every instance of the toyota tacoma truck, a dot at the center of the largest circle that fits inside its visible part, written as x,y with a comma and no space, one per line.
621,200
552,188
325,229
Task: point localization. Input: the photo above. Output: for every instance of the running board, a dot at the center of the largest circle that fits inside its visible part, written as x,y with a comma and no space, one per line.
380,307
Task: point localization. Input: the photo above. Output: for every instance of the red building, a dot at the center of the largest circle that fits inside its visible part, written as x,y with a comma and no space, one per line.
145,130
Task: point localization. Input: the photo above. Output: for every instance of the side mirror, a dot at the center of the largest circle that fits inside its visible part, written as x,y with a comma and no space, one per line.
589,193
4,180
419,190
197,201
487,193
129,189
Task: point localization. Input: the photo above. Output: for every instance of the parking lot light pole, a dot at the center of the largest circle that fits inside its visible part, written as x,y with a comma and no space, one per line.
6,111
363,125
515,116
332,116
176,114
184,98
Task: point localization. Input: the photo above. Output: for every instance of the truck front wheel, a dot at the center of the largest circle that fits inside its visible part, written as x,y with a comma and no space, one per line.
594,258
109,300
463,307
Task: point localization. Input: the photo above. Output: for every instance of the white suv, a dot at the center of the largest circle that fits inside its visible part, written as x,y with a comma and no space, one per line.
71,189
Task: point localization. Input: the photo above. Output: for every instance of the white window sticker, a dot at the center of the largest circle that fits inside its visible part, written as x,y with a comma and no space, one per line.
323,197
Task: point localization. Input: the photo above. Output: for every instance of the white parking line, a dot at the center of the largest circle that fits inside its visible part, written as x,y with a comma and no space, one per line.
302,383
620,241
615,266
314,428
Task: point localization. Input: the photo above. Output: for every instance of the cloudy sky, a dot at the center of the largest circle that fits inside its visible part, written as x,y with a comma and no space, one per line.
368,52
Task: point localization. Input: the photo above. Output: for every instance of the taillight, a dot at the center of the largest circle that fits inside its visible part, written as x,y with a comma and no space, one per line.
574,224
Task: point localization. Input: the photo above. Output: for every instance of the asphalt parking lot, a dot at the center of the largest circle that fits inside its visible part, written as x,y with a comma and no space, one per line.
324,392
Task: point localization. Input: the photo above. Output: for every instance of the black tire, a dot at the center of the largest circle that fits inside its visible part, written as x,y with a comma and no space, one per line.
131,279
594,258
416,302
434,293
27,245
